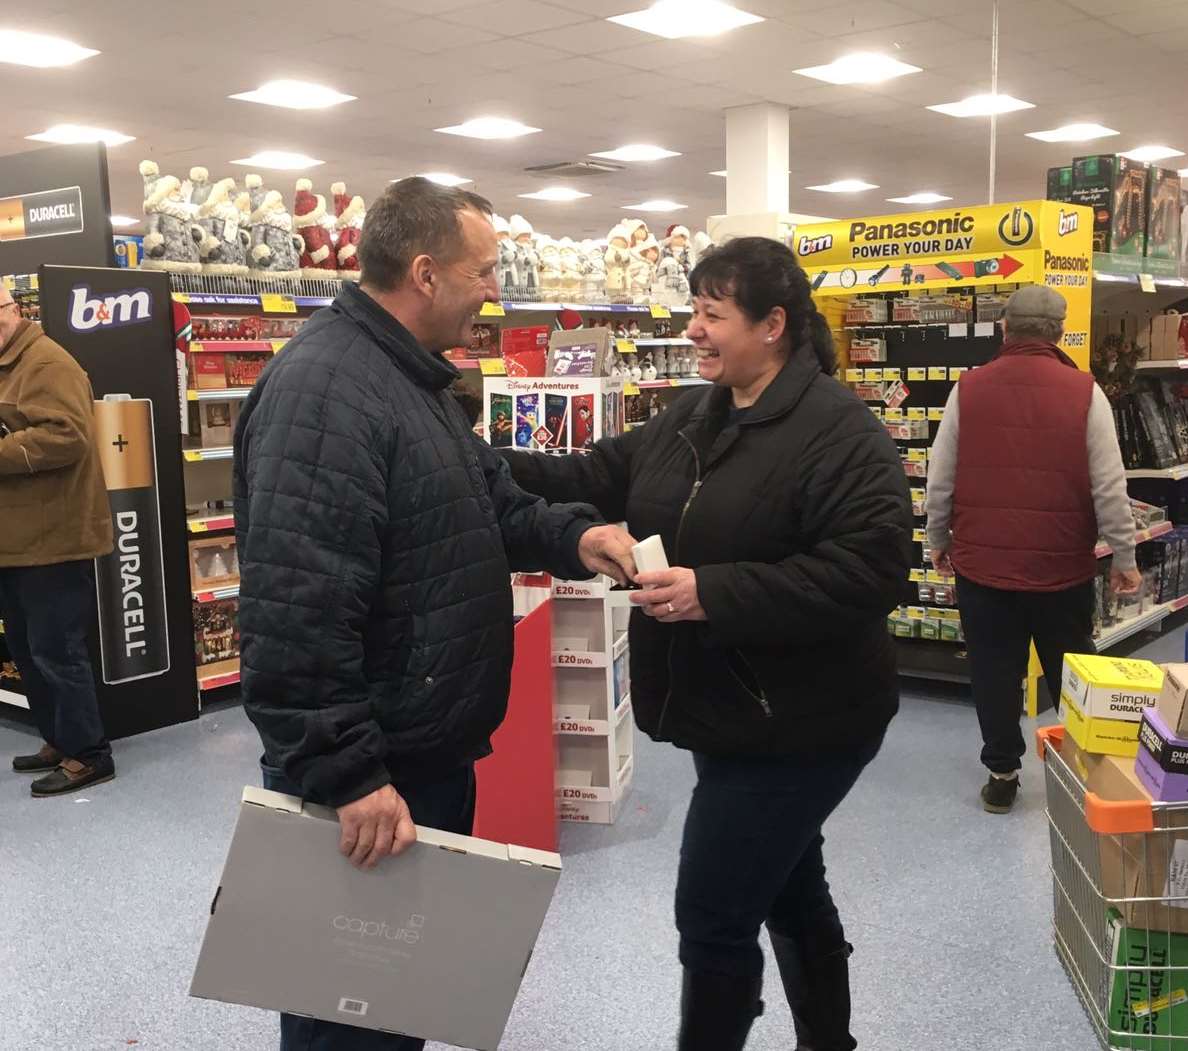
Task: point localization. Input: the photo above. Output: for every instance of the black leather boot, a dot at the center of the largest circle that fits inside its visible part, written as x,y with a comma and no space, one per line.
818,992
717,1011
787,954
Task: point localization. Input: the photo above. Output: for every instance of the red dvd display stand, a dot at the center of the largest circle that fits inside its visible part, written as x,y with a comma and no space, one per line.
516,784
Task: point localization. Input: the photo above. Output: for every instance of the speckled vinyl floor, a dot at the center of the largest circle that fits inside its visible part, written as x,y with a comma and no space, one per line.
948,907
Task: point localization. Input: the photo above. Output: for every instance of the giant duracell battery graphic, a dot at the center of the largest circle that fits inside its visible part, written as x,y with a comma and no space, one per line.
130,582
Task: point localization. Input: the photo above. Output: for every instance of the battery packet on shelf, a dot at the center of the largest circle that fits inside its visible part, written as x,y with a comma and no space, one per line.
431,944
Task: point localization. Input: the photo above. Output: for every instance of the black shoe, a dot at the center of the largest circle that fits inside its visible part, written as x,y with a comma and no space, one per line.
818,993
717,1011
998,794
47,758
72,775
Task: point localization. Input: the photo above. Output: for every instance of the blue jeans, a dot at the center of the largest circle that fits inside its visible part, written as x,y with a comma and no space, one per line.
47,612
752,855
446,803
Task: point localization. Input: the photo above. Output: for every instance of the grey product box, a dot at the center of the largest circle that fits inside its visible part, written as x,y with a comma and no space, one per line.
431,944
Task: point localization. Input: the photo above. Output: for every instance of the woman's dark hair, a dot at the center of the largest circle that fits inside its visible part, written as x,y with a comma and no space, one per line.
759,274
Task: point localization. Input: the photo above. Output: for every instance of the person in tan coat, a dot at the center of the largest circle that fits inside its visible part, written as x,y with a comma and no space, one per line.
56,521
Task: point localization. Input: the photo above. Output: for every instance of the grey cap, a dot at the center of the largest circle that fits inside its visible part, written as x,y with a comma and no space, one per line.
1037,301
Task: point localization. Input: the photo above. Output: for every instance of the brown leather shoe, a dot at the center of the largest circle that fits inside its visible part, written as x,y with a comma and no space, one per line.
72,775
47,758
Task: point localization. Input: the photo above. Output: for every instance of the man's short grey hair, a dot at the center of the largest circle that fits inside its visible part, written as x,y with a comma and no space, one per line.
412,217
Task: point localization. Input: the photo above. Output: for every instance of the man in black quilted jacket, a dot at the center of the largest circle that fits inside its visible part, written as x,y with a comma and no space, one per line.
376,539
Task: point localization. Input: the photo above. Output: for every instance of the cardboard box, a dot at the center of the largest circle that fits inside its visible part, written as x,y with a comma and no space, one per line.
432,944
1148,999
1172,704
1169,337
1104,736
1144,874
1115,187
1163,214
216,420
1162,761
1111,687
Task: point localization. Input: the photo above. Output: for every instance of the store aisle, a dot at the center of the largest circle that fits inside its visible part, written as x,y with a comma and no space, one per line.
948,907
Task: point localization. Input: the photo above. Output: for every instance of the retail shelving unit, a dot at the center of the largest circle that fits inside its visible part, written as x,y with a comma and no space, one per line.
592,701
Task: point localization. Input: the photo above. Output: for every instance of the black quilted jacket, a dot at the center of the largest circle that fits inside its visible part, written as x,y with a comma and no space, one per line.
376,536
798,523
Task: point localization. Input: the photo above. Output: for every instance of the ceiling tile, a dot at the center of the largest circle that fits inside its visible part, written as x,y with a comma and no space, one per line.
428,35
516,17
860,16
587,38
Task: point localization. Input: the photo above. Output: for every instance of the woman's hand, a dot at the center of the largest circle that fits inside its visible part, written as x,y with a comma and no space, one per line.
670,595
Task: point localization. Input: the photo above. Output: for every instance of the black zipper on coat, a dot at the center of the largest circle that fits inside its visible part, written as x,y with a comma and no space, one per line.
697,483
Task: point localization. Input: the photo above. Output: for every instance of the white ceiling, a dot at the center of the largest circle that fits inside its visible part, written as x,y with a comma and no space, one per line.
592,85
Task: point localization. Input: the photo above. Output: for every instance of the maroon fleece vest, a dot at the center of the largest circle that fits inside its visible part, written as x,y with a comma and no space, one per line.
1023,515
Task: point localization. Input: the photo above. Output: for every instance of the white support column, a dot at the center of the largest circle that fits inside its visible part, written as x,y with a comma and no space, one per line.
756,159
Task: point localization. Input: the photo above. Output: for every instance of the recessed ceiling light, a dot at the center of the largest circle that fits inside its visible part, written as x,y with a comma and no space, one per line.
720,174
490,128
294,94
279,160
120,221
555,193
1153,153
863,67
844,186
982,106
636,152
681,18
659,205
442,178
34,49
1073,133
926,197
71,134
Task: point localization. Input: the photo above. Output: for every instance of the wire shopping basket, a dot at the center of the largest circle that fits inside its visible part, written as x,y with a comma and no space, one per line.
1120,893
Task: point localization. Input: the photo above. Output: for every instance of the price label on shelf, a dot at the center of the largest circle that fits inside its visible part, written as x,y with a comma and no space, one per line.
492,310
956,371
271,303
936,412
891,375
1147,282
855,375
877,410
893,415
917,375
917,413
920,536
630,388
874,375
917,456
938,373
660,313
916,576
181,297
933,577
625,346
492,367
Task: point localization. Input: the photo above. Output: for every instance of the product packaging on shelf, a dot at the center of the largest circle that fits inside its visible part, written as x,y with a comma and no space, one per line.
1115,187
1162,760
1060,183
216,636
214,563
525,350
217,422
415,948
867,350
1163,214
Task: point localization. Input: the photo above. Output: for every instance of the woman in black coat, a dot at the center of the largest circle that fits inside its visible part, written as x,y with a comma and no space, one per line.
784,510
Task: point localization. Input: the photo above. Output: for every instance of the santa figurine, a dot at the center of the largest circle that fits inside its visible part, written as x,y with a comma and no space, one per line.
550,269
677,246
637,232
348,226
617,258
309,211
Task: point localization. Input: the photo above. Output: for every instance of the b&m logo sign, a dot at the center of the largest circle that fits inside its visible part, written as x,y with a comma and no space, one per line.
88,312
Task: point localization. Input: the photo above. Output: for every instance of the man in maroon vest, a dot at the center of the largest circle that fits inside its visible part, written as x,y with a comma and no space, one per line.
1025,475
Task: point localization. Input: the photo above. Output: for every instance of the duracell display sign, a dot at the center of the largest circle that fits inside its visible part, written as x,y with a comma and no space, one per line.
118,326
49,213
133,622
